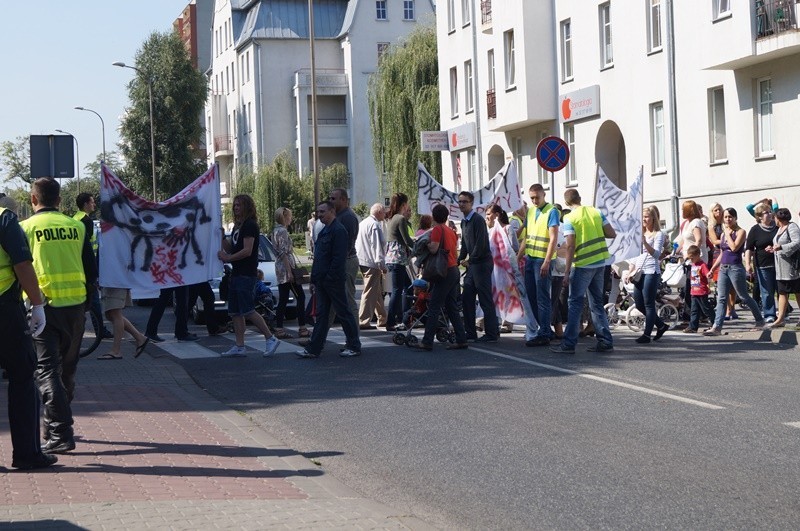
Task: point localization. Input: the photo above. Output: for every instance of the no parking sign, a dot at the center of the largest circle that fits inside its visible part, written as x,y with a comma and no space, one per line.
552,153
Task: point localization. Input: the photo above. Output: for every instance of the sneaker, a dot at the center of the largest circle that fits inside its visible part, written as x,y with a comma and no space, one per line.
712,332
349,352
187,337
486,339
40,461
642,339
689,330
305,354
538,342
769,320
235,352
562,349
155,339
601,347
272,346
661,331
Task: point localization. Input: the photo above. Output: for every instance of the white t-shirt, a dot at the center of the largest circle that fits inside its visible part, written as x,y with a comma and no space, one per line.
687,235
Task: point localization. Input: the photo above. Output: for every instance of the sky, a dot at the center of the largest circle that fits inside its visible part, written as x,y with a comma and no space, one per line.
58,55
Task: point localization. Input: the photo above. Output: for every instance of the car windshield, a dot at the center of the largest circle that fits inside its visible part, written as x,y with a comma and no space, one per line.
266,253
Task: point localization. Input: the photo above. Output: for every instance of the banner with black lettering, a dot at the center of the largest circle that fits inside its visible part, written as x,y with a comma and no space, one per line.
147,246
623,210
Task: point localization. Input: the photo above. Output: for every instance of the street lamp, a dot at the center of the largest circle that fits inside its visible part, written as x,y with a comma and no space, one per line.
152,135
77,155
102,125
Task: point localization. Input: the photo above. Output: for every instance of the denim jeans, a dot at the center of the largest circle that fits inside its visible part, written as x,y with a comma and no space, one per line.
645,293
478,282
398,304
444,295
767,284
539,289
700,305
734,276
581,281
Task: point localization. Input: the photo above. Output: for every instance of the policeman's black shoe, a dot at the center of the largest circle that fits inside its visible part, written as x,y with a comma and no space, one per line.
58,446
40,461
187,337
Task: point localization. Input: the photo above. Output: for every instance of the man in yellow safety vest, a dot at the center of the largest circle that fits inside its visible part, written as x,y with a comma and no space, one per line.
86,206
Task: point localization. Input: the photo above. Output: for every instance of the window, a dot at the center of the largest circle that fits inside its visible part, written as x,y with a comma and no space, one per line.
249,116
451,15
544,175
383,47
216,42
235,125
474,179
408,9
511,74
453,92
227,80
569,138
518,156
654,25
566,50
380,9
721,8
469,96
233,75
606,50
657,138
241,68
716,119
764,116
490,66
466,12
247,64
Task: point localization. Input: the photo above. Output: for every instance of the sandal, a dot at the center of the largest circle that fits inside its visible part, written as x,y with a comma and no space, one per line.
281,333
140,348
304,332
109,356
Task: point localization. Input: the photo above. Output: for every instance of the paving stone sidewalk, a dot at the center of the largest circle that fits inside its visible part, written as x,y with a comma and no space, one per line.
155,451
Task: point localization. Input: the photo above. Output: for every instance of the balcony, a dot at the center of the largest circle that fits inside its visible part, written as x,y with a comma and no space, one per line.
223,146
491,103
330,81
774,17
486,16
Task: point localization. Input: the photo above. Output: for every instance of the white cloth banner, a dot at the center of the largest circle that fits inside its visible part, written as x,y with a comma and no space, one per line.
503,189
147,246
508,284
623,210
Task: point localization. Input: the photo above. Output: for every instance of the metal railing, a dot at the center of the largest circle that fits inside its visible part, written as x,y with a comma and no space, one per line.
491,103
775,16
486,11
330,121
223,143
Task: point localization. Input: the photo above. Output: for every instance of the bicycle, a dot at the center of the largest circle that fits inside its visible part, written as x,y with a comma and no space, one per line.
92,333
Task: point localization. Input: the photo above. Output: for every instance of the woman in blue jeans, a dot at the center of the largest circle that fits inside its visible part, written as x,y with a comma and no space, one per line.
646,289
398,245
732,274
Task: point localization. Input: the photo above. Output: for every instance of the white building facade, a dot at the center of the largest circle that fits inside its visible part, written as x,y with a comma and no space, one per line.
703,95
260,82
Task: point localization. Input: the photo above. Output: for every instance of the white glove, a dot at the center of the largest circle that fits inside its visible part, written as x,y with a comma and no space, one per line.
38,320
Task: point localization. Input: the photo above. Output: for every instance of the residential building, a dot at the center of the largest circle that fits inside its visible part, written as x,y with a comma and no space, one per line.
260,82
702,95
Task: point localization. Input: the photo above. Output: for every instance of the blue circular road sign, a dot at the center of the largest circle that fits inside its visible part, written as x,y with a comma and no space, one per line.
552,153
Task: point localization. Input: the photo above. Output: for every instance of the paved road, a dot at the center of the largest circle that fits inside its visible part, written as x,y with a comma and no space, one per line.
691,432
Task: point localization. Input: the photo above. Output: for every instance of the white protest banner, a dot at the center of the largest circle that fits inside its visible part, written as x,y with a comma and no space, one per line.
503,190
508,282
623,210
148,246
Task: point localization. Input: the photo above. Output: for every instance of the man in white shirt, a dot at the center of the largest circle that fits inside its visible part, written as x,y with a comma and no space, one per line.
371,252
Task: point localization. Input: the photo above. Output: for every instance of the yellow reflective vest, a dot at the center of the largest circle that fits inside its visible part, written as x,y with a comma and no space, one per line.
79,215
7,276
56,242
538,233
590,242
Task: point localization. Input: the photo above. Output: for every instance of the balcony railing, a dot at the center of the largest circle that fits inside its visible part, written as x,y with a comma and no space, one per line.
486,11
223,143
775,16
491,104
329,121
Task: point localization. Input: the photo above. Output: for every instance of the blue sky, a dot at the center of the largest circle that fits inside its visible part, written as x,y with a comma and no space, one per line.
57,55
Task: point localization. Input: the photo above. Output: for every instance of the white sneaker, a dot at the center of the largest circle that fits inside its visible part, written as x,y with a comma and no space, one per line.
305,354
272,346
235,352
349,353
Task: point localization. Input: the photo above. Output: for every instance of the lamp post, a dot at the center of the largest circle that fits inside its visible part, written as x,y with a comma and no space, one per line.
77,156
152,134
102,125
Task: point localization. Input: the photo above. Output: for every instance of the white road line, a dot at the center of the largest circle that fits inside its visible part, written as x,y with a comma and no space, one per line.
602,379
792,424
187,350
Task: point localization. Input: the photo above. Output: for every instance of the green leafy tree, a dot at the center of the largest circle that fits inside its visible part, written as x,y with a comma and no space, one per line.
113,161
16,159
69,193
403,101
179,94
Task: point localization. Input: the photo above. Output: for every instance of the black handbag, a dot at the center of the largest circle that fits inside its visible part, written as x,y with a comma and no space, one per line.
435,267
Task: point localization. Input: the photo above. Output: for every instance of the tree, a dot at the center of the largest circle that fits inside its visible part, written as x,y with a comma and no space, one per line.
69,192
179,94
16,159
92,169
404,100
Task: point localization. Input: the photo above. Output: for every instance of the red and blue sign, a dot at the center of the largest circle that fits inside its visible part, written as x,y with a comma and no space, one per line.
552,153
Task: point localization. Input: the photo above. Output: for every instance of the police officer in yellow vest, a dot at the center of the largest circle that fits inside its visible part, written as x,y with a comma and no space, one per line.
86,206
65,268
17,356
541,237
585,230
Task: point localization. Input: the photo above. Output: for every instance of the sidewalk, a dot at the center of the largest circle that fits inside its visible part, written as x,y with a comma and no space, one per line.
154,450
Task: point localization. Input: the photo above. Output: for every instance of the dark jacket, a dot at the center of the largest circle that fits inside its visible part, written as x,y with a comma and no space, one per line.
330,252
474,240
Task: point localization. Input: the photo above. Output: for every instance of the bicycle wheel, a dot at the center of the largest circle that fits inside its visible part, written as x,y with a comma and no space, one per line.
669,314
635,319
92,334
612,314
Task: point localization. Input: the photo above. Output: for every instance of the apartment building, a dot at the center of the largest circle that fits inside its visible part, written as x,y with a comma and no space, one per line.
703,95
260,82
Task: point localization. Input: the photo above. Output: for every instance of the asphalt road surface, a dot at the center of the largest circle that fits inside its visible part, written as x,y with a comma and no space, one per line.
689,432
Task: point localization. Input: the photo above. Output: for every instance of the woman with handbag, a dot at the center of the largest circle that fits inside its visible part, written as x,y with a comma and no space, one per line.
786,248
285,269
398,245
648,270
445,291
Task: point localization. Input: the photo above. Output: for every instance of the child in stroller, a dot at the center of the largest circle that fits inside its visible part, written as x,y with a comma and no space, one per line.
417,314
265,301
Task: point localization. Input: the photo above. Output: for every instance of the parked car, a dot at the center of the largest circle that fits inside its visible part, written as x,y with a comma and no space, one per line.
266,263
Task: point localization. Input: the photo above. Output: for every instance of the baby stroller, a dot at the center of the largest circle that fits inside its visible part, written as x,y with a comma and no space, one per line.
418,314
265,304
